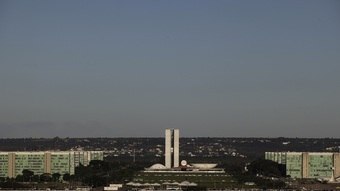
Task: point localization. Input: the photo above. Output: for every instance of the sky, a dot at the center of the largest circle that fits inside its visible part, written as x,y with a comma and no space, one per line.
134,68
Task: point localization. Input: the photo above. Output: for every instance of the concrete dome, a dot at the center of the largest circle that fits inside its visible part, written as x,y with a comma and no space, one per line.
157,167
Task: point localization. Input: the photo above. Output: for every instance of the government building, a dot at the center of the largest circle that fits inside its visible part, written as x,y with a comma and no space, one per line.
324,165
175,174
62,162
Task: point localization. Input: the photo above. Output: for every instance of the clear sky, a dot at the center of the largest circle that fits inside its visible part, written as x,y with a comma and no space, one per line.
133,68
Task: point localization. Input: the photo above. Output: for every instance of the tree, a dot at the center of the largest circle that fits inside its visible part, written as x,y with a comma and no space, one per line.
265,168
36,178
56,177
72,177
27,175
19,178
46,177
66,177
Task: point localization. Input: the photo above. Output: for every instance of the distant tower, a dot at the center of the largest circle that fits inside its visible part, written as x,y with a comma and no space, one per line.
168,141
171,139
176,147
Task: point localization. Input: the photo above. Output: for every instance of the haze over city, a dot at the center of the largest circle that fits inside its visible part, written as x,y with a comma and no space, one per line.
134,68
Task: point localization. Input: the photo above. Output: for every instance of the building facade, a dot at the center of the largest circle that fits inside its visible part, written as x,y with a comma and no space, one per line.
171,148
308,164
62,162
3,165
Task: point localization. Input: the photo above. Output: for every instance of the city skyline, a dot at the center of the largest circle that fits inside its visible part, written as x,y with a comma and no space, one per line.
132,69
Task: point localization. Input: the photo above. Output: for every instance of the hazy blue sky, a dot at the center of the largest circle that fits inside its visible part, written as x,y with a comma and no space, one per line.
134,68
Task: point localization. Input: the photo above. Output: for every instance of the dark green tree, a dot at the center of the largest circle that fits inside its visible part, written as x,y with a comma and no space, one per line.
36,178
66,177
27,175
265,168
46,177
56,177
19,178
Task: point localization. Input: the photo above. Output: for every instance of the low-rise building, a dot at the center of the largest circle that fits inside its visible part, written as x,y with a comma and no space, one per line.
62,162
308,164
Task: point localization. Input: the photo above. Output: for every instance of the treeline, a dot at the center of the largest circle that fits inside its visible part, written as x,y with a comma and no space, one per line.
28,179
263,173
97,173
100,173
29,176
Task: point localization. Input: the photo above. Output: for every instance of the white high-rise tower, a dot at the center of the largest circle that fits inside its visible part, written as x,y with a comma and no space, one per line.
176,147
171,148
168,141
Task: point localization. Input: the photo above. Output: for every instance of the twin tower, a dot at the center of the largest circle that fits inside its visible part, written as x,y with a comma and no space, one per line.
171,148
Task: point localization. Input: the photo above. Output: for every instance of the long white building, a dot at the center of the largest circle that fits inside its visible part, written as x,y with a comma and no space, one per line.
62,162
308,164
